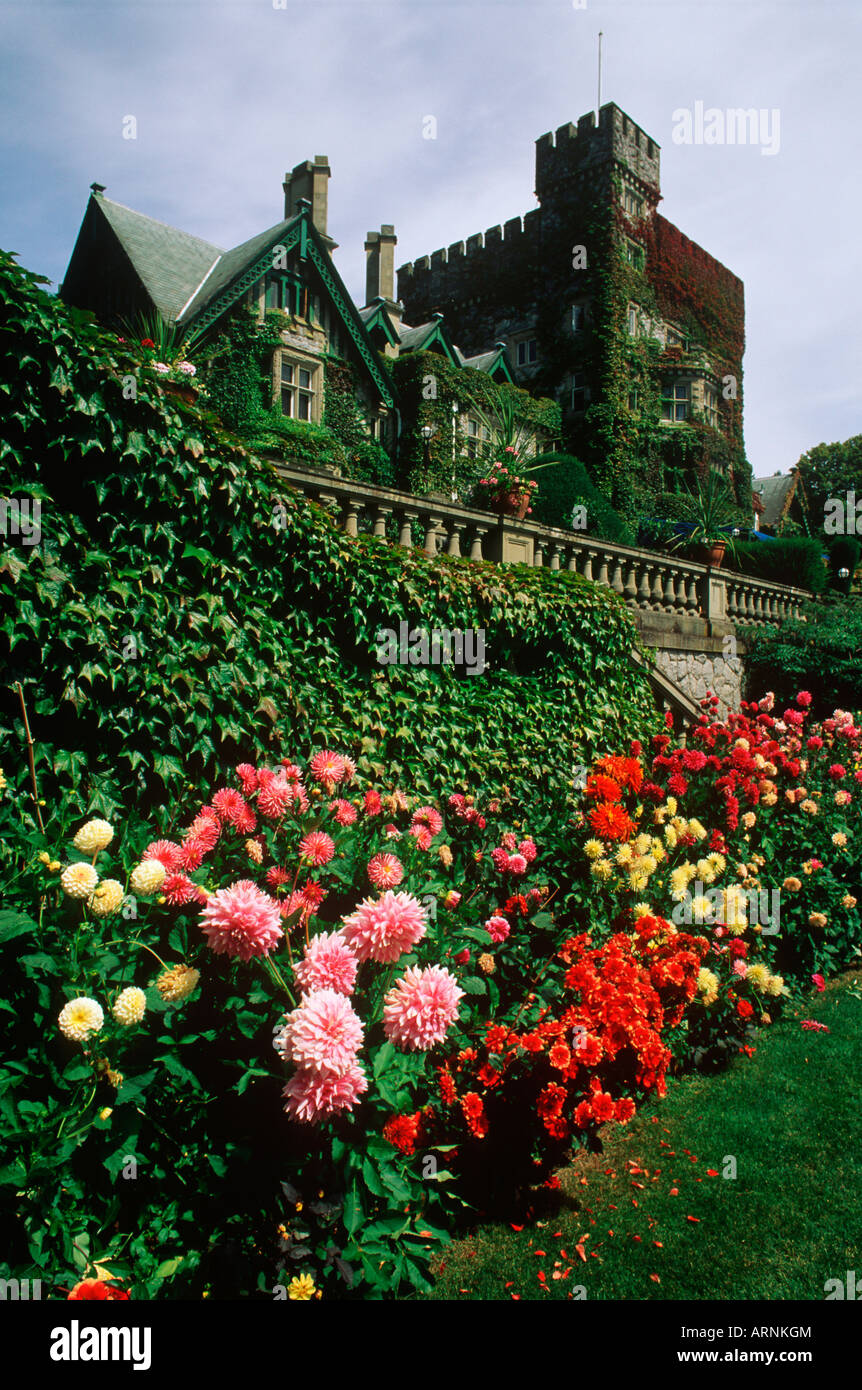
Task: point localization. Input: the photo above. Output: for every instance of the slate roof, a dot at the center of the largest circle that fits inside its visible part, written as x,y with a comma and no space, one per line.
233,263
776,495
171,264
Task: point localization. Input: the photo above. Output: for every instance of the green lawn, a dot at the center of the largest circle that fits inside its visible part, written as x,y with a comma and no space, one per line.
790,1219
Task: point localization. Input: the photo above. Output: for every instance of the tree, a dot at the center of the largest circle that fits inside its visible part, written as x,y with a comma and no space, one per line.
830,470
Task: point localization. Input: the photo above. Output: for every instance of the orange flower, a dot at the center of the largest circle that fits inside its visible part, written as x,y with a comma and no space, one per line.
602,788
611,822
626,771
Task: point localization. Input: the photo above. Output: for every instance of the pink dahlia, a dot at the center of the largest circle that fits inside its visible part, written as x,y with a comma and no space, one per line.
317,847
500,858
191,855
312,895
344,811
248,777
178,889
385,929
527,848
276,876
419,1010
231,806
349,768
241,921
372,804
428,817
517,864
322,1035
165,851
312,1098
803,698
422,835
328,963
275,796
497,928
327,767
385,871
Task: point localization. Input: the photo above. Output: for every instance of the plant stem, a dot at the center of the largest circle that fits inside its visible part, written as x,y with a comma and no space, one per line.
30,759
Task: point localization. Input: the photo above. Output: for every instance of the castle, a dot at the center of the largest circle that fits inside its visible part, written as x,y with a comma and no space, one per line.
625,338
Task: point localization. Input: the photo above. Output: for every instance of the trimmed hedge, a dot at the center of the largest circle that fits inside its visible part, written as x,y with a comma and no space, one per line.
568,485
795,560
821,654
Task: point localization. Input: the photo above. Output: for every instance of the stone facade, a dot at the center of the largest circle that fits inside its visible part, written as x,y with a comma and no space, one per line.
704,673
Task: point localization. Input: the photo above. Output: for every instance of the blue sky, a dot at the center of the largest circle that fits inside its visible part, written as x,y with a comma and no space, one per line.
228,94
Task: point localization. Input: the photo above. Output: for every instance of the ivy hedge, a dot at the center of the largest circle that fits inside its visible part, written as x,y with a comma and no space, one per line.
182,613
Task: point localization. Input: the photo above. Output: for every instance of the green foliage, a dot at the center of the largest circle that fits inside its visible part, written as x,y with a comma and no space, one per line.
785,560
570,486
429,385
822,653
240,376
830,470
202,616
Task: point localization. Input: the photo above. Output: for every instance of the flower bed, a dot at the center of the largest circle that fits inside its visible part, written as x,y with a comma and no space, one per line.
392,1006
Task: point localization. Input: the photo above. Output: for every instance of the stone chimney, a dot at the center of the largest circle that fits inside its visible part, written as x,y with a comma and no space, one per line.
380,264
309,181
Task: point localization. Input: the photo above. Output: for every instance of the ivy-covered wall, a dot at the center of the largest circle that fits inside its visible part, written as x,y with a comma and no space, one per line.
428,387
182,614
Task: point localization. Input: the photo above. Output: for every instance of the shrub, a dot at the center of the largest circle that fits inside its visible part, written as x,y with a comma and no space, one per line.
567,486
796,560
822,652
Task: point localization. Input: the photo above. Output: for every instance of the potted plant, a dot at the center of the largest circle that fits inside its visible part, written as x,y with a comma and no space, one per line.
165,351
708,514
509,486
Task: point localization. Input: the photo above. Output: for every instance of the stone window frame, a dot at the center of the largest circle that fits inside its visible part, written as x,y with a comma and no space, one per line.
676,396
630,196
711,407
287,356
526,341
634,254
474,439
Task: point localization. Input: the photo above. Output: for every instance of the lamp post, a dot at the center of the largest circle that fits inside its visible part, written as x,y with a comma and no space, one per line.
456,410
844,576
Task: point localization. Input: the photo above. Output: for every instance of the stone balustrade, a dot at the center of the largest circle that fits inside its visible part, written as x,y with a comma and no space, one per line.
647,581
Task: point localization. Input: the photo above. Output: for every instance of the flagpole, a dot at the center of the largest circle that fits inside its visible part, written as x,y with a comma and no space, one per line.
599,107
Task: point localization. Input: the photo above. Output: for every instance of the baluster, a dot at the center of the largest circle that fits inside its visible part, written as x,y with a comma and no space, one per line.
454,545
572,559
588,563
431,529
657,589
617,580
351,520
538,553
631,591
555,558
406,536
643,596
476,545
669,590
681,594
691,602
381,516
732,606
603,572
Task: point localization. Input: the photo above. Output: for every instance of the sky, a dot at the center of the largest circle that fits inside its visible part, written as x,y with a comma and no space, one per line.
227,95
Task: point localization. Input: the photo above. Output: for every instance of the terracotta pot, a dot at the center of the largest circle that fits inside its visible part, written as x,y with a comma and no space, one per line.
712,553
513,503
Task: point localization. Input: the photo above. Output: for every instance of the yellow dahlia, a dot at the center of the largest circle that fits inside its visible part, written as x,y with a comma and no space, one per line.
705,871
601,870
486,964
642,843
107,899
848,901
839,839
656,848
707,985
670,805
130,1007
735,913
79,1018
301,1288
178,983
817,919
79,880
670,837
718,862
624,855
792,884
148,877
95,835
775,985
642,910
699,831
758,976
594,849
444,854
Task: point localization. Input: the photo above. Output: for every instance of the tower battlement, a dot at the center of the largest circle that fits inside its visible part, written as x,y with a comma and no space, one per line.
574,151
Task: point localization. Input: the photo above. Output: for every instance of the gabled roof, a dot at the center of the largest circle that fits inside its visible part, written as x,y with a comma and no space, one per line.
425,336
170,264
376,315
489,362
776,495
231,265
